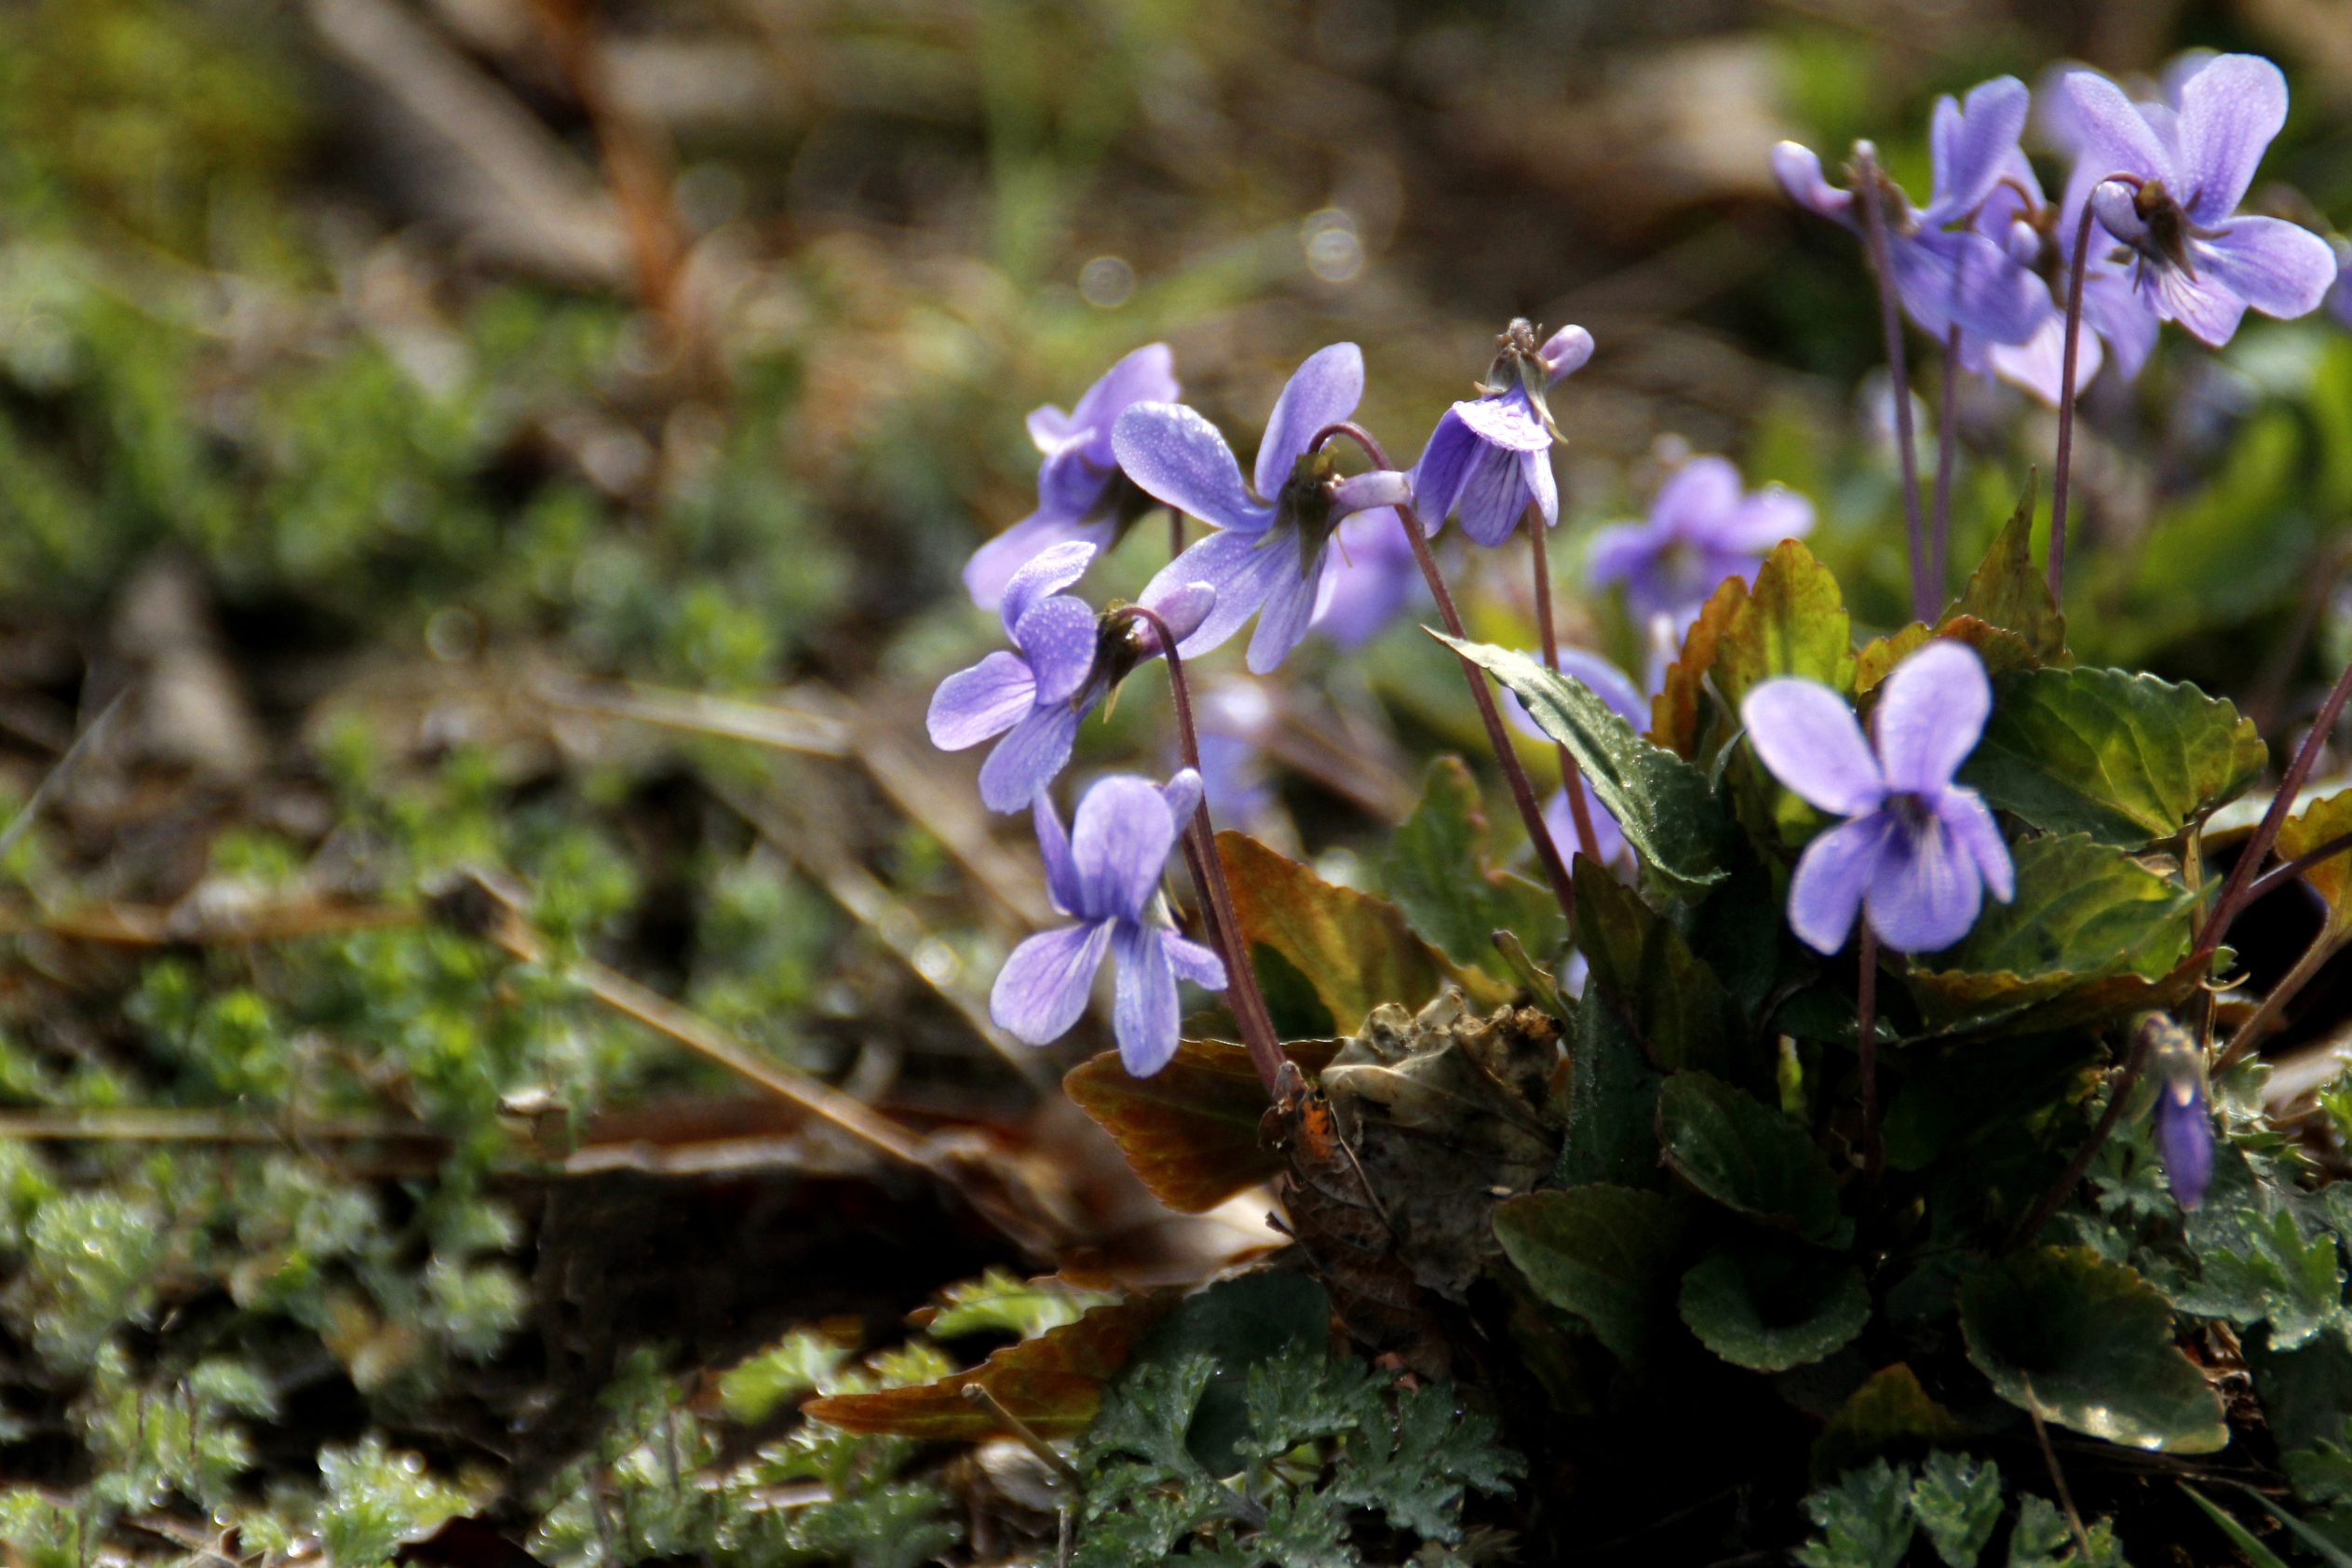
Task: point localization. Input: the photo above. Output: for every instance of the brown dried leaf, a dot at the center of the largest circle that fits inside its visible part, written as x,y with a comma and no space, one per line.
1054,1383
1191,1129
1674,712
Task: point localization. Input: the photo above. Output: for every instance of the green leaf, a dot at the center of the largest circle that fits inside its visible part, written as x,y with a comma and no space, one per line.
1355,950
1958,1501
2082,911
1747,1155
1604,1253
1794,622
2127,759
1768,1309
2089,1344
1438,871
2322,1473
2239,1536
1646,970
1889,1411
2008,591
2042,1538
1612,1096
1001,1300
1237,1323
1865,1519
1414,1469
2297,1285
1660,801
2331,1549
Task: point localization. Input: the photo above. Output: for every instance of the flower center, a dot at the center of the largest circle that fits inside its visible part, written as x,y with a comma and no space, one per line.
1304,503
1912,811
2168,230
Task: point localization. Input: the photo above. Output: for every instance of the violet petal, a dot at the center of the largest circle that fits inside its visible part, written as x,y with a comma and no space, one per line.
1240,568
1042,989
1058,637
1143,1014
987,699
2230,112
1926,891
1179,457
1832,875
1323,390
1931,713
1809,738
1029,756
1119,845
1048,572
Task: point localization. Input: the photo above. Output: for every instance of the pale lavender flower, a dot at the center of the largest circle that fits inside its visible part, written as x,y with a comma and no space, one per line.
2183,166
1266,556
1944,271
2183,1121
1105,874
1702,529
1367,580
1081,493
2039,237
1918,850
2340,292
1489,457
1065,659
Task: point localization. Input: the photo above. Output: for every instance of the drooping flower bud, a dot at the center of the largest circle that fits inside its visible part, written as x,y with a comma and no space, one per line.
2184,1120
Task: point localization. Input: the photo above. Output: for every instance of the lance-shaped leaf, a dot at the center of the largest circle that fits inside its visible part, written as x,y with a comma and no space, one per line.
1190,1130
1889,1411
1794,622
1605,1253
2082,913
1355,950
2009,592
1646,970
1748,1156
1770,1308
2088,1343
2322,822
1054,1382
1438,871
1660,801
2125,758
1678,711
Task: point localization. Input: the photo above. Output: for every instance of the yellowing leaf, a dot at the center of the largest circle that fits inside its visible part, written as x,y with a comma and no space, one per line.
1190,1130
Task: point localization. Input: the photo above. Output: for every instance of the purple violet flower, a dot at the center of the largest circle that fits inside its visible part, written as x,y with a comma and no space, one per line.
1105,874
1918,850
2174,209
2183,1122
1366,581
1944,272
2340,292
1701,530
1065,660
1081,493
2039,237
1489,456
1267,555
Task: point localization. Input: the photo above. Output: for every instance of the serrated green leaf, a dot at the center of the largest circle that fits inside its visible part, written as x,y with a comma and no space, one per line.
1646,970
2083,913
1414,1469
1957,1499
1748,1156
1237,1324
2125,758
2008,591
1865,1519
1605,1253
2088,1343
1612,1096
1794,622
1438,871
1660,802
2272,1273
1768,1310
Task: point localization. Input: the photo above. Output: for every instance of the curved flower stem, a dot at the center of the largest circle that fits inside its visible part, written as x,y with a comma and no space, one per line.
1868,188
1866,1040
2065,465
1947,451
1531,813
2266,1018
1571,776
1207,870
2234,894
2062,1189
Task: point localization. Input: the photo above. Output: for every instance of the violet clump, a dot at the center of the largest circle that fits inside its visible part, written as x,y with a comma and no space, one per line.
1105,874
1702,528
2165,181
1065,659
1492,456
1945,272
1918,850
1266,556
1081,493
